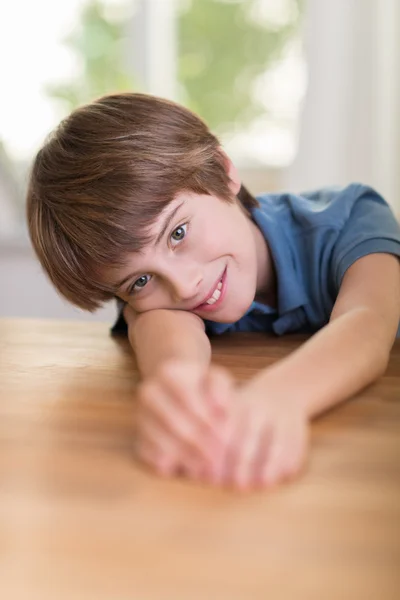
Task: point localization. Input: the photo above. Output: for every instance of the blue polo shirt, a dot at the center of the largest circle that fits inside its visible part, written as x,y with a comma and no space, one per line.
313,238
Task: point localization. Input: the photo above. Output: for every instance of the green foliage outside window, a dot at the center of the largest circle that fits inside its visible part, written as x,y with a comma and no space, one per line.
99,44
221,50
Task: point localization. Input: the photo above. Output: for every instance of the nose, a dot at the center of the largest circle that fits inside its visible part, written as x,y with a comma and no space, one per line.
185,283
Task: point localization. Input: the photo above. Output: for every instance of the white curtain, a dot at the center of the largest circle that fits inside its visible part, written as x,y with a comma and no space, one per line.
350,123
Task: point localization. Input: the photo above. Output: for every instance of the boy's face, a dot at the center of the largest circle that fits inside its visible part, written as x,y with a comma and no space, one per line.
210,259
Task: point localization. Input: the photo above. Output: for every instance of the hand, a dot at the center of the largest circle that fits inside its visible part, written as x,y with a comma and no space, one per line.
268,437
181,416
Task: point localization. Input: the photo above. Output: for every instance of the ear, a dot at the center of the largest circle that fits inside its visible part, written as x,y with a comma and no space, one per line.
235,182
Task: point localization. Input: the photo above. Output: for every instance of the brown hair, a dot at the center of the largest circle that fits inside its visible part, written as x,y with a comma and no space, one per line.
103,177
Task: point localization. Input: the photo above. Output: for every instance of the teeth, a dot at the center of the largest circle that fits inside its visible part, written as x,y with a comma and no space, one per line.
216,295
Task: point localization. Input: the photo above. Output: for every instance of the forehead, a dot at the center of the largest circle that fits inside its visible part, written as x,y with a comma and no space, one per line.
189,202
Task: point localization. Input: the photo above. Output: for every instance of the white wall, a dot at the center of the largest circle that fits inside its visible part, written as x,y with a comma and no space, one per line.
26,292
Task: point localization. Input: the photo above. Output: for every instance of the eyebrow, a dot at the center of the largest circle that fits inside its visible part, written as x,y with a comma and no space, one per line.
167,222
159,237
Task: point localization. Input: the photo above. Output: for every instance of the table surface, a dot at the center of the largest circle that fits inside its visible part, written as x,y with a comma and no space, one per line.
79,519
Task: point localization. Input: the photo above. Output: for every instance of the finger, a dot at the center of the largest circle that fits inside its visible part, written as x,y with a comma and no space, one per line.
151,456
153,431
219,389
272,470
224,468
219,392
256,436
237,432
159,413
193,470
261,458
168,448
296,458
201,470
186,386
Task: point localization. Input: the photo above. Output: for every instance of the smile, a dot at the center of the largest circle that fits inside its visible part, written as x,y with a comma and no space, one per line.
216,294
215,298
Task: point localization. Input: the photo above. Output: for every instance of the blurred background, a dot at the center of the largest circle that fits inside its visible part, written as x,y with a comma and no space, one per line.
302,93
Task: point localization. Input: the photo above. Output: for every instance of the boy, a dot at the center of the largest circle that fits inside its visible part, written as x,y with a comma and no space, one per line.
132,197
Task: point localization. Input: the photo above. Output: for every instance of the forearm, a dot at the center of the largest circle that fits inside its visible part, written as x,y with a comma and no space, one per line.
159,335
336,363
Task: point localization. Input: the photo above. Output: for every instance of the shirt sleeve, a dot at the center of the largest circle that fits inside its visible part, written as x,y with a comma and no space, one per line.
120,327
370,228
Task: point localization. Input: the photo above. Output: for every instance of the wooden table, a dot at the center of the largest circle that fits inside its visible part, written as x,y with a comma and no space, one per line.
79,520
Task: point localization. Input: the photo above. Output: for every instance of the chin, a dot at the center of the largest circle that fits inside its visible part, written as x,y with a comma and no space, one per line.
233,314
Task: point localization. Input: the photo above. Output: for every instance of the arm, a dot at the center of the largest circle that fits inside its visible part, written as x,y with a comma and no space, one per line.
176,423
353,349
269,422
159,335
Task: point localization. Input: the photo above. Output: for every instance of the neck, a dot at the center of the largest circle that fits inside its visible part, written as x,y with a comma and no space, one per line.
266,291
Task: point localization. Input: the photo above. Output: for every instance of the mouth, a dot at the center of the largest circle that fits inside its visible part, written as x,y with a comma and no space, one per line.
214,299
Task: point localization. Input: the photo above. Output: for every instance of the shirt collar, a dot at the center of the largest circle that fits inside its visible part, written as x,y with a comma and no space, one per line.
291,292
257,308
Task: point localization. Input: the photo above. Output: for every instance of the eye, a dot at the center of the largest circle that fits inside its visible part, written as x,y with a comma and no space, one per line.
139,283
179,233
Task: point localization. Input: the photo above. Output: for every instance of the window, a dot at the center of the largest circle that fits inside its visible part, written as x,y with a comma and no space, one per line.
237,64
241,68
55,56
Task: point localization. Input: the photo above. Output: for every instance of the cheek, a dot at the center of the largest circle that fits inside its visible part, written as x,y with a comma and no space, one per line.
155,298
210,245
236,244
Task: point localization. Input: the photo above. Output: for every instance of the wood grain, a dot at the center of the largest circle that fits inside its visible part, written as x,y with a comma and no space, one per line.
80,520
